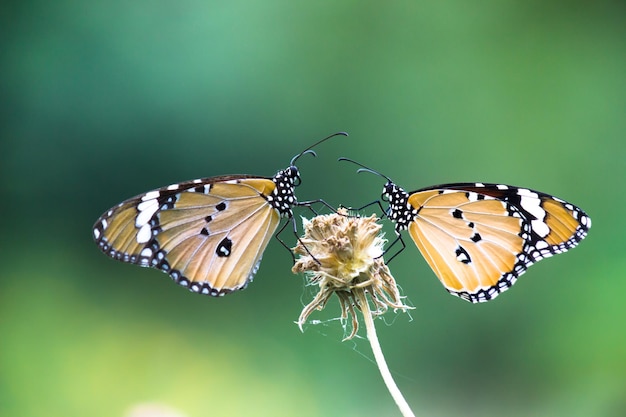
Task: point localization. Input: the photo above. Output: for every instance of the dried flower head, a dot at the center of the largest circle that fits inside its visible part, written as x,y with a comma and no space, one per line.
342,254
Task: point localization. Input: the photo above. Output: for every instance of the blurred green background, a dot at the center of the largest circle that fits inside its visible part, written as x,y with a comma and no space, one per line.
105,100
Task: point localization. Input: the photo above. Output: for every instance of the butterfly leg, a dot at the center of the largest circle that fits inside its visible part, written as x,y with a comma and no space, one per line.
277,236
375,202
398,239
295,232
309,205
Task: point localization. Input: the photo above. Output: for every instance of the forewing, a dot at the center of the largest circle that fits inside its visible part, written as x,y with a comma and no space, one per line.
209,234
479,238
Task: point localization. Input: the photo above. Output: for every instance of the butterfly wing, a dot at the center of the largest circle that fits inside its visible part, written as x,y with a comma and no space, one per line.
479,238
208,235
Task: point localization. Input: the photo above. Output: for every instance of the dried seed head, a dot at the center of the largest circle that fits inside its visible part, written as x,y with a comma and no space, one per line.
342,254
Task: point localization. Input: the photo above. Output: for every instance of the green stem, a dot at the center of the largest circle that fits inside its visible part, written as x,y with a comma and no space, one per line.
380,358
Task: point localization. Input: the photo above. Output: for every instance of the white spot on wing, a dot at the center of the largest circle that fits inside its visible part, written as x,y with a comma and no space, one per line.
144,234
540,228
526,192
150,195
146,211
147,252
173,187
96,233
462,257
533,206
147,204
585,221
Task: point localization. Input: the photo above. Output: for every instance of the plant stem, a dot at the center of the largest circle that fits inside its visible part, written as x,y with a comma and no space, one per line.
380,358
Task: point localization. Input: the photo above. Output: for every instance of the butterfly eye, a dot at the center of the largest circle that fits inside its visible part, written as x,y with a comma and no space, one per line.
388,191
292,172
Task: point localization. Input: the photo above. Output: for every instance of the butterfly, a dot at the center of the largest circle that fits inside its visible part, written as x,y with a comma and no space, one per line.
208,234
478,238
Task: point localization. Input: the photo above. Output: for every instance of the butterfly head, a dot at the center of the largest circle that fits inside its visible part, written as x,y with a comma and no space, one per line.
399,211
283,198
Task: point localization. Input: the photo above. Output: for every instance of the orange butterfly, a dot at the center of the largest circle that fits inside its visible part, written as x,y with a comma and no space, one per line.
479,238
208,234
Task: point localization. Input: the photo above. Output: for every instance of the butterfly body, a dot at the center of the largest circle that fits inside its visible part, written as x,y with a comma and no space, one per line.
479,238
207,234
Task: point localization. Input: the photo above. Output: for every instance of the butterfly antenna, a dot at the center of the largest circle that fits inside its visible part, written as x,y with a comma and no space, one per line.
370,170
365,169
308,150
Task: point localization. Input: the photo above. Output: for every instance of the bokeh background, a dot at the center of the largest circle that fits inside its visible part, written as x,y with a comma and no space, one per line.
101,101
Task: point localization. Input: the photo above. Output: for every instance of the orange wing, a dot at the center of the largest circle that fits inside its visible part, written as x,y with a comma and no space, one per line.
209,235
479,238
